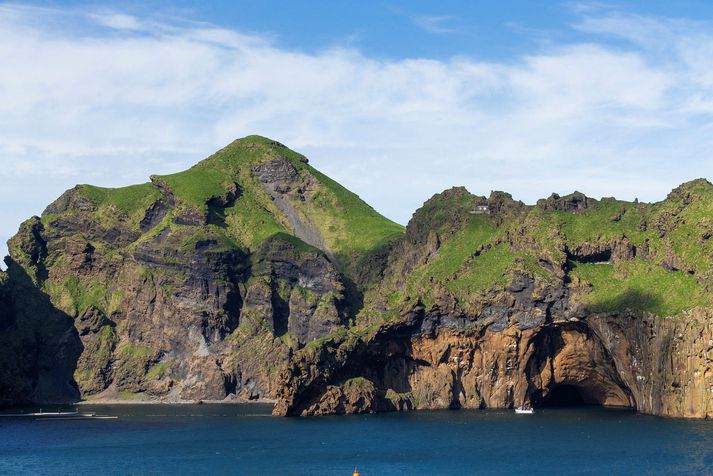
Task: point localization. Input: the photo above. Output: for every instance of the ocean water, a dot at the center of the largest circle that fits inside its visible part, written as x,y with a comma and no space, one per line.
245,439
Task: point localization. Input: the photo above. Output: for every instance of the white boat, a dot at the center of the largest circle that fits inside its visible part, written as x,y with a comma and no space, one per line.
524,411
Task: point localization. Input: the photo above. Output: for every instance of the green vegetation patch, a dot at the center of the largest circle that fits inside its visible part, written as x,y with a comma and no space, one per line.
349,224
455,251
129,200
249,222
197,185
467,262
78,295
136,353
157,371
639,285
488,270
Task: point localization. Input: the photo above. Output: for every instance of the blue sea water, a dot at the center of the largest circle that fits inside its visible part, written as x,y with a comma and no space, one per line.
246,440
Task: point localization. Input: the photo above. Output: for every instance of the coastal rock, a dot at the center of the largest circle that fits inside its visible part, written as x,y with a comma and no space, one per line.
251,276
169,297
655,366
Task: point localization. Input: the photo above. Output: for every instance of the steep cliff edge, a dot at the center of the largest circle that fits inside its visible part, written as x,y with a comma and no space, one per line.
253,276
39,346
488,303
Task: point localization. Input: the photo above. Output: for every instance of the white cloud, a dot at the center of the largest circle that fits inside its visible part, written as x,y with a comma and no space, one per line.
109,98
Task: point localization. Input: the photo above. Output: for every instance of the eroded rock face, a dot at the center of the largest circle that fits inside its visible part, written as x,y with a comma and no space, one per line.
574,202
619,249
527,346
151,297
657,366
666,363
189,323
281,180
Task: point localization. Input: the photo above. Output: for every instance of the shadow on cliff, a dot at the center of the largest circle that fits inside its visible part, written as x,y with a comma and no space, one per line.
40,346
628,299
354,298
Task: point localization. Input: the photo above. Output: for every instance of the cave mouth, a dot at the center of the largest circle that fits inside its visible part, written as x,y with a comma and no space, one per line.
599,257
568,396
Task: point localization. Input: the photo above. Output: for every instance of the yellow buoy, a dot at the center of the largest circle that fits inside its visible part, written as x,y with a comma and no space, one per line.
356,473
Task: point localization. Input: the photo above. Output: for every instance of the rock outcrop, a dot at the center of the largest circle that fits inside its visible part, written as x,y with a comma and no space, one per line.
196,286
654,365
39,345
583,319
252,276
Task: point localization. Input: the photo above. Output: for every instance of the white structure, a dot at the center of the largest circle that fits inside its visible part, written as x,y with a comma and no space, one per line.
480,210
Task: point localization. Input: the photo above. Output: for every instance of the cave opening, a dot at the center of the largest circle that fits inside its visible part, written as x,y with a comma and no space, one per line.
568,395
565,396
600,257
581,371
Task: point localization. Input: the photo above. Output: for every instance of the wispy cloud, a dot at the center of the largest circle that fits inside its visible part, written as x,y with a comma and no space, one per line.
118,21
437,23
589,7
112,98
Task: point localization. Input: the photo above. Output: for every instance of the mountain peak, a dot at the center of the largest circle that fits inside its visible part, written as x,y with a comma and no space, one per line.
699,185
270,147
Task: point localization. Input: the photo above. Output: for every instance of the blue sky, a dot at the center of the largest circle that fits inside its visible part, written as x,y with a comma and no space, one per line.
403,29
396,100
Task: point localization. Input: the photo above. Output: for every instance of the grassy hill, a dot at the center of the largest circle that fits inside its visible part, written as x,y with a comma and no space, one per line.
612,255
224,195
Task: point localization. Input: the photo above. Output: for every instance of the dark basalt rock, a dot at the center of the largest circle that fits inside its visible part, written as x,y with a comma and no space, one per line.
573,203
444,213
40,346
279,172
70,201
154,215
301,290
620,249
191,217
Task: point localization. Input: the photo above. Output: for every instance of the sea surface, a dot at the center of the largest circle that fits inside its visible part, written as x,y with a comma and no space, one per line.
245,439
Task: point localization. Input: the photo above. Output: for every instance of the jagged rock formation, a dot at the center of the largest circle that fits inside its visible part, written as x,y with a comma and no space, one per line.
252,276
657,366
573,300
198,285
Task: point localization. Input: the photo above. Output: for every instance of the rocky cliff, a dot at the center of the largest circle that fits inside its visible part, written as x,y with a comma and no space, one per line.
488,303
253,276
197,285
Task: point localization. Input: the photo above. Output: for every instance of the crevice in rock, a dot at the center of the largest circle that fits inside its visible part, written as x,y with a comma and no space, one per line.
217,205
154,215
598,256
280,310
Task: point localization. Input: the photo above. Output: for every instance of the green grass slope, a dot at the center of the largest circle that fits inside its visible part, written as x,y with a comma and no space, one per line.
348,226
349,229
476,254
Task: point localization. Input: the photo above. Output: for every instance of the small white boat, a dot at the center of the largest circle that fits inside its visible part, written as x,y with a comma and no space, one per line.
524,411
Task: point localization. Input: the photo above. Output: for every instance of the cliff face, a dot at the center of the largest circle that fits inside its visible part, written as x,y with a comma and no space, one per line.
252,275
198,285
488,303
39,346
657,366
